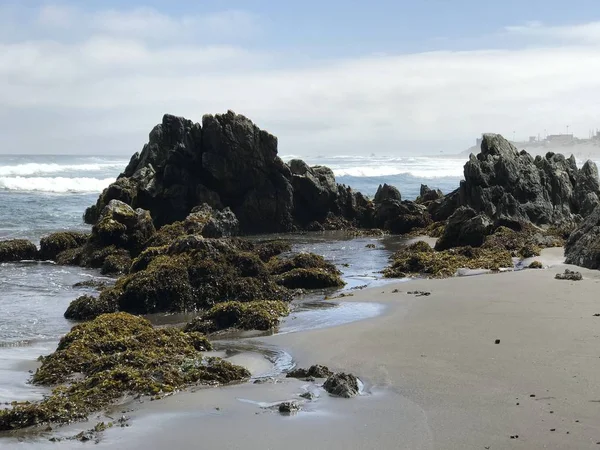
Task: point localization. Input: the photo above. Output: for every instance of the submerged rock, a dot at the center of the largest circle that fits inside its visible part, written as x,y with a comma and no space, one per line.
51,246
316,371
569,275
17,250
99,362
342,385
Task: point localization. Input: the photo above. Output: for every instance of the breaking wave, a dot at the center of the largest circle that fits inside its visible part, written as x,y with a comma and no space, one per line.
54,184
29,169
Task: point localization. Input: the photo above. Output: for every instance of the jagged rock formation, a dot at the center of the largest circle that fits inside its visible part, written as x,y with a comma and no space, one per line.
513,188
228,162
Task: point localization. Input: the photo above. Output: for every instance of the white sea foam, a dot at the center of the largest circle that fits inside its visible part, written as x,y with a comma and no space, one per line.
416,167
54,184
29,169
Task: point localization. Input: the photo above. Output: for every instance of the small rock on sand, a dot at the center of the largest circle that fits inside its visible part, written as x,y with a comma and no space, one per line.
289,407
569,275
342,385
497,341
315,371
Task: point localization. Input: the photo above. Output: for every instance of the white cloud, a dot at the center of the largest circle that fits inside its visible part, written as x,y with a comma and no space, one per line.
104,86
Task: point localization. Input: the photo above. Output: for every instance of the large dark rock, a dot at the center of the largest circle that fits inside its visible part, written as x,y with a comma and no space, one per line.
17,250
229,162
583,246
513,188
464,227
226,161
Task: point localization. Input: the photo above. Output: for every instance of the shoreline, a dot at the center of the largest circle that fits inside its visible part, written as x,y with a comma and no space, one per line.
433,374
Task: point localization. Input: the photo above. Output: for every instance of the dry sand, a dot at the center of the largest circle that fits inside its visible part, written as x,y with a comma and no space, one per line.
434,377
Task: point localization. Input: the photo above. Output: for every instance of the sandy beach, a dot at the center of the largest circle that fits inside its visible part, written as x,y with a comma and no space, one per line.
434,376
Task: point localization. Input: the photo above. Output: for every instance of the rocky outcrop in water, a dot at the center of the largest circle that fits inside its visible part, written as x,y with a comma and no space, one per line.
228,162
513,188
583,246
17,250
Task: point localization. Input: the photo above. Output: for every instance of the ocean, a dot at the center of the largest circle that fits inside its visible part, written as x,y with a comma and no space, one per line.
43,194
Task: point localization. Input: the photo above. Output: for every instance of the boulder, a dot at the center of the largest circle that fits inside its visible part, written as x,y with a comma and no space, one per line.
400,217
17,250
123,227
212,223
342,385
315,191
464,228
583,245
52,245
387,192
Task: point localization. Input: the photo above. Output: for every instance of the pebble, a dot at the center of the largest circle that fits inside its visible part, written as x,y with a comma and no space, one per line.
497,341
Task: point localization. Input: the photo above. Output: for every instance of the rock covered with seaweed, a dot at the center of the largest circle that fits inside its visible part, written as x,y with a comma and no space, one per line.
115,355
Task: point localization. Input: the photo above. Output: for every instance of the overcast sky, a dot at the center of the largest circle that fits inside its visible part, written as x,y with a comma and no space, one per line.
326,77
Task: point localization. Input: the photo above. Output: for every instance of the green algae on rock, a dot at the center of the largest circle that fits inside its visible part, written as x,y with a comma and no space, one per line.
310,279
54,244
301,261
87,307
17,250
420,259
118,354
256,315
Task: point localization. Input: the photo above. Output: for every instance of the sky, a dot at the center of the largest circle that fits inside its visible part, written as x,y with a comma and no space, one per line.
325,77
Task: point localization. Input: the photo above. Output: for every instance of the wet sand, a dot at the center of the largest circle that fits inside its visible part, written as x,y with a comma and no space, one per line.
434,377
